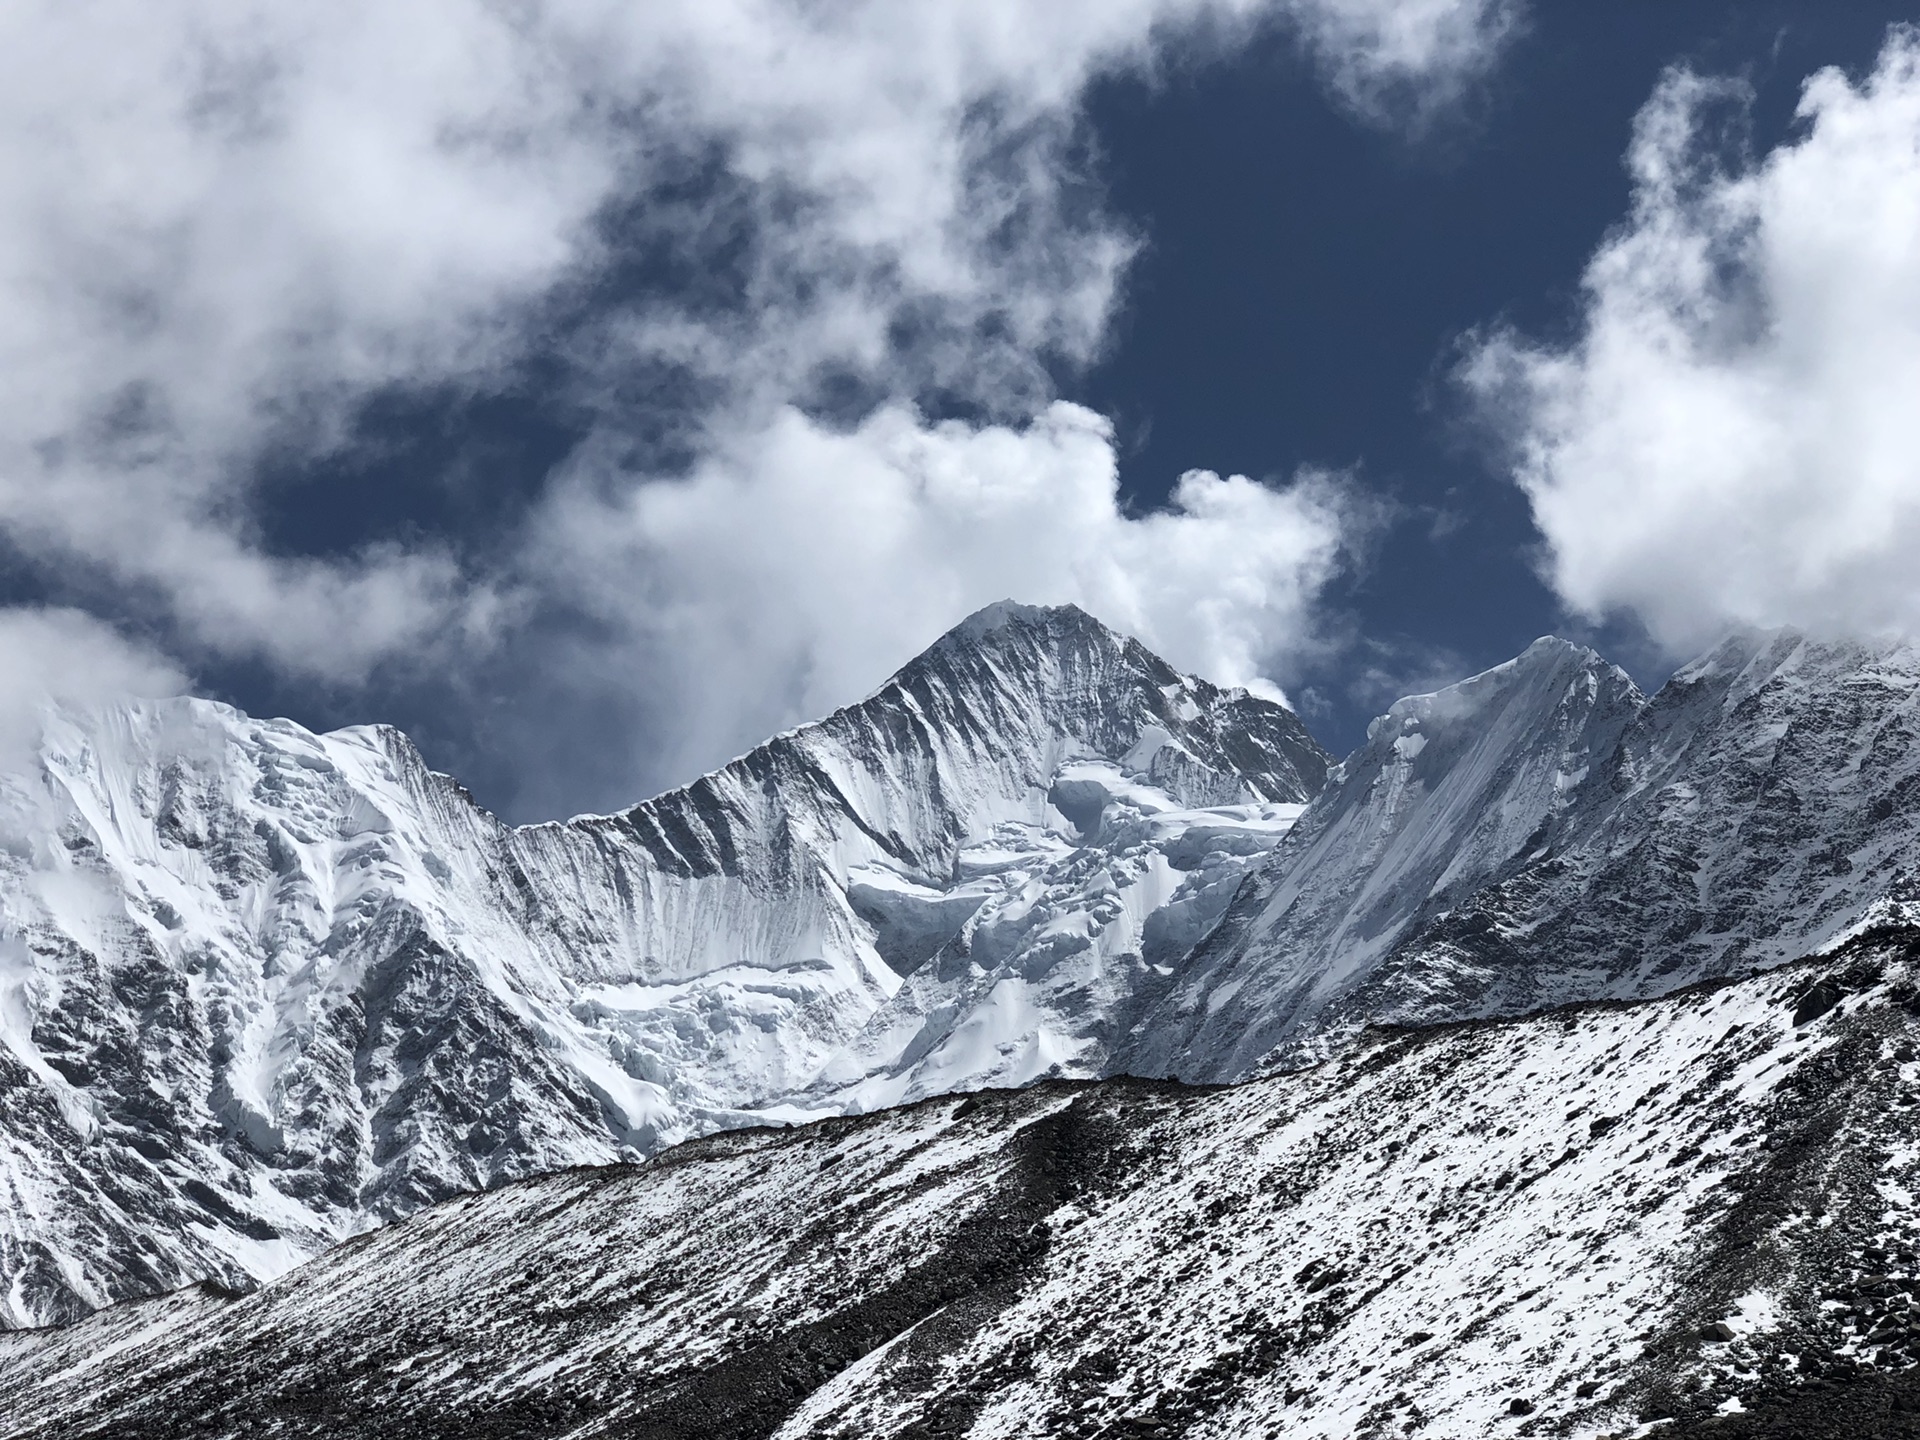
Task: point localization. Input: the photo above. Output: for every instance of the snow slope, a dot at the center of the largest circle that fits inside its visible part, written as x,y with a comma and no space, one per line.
1696,1206
261,989
1544,833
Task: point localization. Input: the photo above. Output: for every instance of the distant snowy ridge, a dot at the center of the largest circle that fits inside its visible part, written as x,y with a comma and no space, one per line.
1544,833
261,988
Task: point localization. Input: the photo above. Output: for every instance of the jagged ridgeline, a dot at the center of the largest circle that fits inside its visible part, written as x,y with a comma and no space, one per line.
1544,833
261,988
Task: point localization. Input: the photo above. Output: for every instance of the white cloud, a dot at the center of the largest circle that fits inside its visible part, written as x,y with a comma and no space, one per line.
1407,56
792,572
54,654
1735,437
225,224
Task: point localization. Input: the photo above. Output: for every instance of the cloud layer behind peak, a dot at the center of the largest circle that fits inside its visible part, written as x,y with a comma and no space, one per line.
793,569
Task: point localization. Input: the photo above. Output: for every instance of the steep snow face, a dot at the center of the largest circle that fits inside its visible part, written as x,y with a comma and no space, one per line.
261,988
1451,792
1543,833
1686,1207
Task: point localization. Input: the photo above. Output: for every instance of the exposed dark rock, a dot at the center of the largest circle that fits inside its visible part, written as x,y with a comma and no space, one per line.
1820,997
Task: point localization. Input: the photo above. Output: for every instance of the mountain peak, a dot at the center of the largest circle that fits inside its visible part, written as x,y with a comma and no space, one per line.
1545,654
1003,613
377,996
1518,690
1057,676
1038,639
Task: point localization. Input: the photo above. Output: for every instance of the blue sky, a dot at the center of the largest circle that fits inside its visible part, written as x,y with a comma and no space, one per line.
1308,277
595,393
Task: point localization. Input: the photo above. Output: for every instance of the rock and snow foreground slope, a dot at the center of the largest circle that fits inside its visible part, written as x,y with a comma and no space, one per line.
261,989
1701,1207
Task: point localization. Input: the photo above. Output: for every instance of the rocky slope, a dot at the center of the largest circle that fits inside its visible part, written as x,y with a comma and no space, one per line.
1700,1208
261,989
1544,833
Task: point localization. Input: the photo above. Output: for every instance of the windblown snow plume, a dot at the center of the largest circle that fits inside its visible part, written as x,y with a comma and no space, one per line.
66,655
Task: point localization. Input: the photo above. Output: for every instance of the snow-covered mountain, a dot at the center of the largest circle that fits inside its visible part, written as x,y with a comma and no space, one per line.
1543,833
261,988
1700,1208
